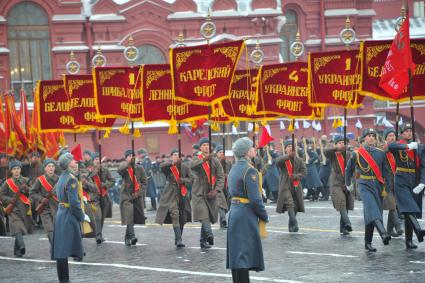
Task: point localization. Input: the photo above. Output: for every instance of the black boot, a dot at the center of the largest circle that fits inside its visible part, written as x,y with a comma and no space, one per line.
129,235
345,222
99,237
153,205
368,235
293,223
206,226
19,245
63,270
178,237
416,227
394,226
409,235
223,221
243,275
384,235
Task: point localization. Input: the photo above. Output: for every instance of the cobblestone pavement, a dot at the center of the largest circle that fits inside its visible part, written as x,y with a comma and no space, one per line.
317,253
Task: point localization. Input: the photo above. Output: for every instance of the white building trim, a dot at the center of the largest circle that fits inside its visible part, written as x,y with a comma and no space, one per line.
69,48
107,18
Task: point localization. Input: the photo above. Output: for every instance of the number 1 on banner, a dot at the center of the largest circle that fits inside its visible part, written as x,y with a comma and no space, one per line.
131,79
347,64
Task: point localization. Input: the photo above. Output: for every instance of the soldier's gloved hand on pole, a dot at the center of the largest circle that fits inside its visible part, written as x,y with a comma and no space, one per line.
418,189
212,194
412,145
207,158
350,188
86,218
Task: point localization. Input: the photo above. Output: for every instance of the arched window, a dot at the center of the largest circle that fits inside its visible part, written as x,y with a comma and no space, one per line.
288,33
149,54
28,41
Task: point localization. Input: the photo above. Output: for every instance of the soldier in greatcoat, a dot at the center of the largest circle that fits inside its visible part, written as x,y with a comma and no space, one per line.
146,163
342,198
131,192
67,235
222,199
103,180
244,248
14,194
390,203
43,196
174,205
290,198
372,180
409,182
208,181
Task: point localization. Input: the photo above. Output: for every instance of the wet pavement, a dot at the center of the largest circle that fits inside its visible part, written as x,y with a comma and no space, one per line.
317,253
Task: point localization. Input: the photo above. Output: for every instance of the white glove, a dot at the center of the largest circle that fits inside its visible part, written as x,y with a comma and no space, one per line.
350,188
418,189
85,199
413,145
264,192
86,218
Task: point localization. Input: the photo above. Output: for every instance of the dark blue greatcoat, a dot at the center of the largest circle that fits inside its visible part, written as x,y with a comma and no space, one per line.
404,182
271,178
67,236
370,189
147,165
312,180
244,249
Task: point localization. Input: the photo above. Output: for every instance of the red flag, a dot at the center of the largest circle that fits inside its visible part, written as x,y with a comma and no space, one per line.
265,138
395,76
78,155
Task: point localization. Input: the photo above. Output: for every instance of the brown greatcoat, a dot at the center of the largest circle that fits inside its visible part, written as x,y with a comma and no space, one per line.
205,208
92,204
131,205
106,182
169,210
37,193
19,220
341,197
289,196
389,202
222,198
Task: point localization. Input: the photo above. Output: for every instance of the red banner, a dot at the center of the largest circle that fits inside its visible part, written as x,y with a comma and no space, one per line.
283,91
80,92
334,78
117,92
240,105
374,56
203,74
158,102
54,107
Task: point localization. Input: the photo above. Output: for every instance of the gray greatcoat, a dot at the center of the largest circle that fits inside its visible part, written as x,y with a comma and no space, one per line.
172,205
289,196
37,193
244,248
407,201
203,207
131,203
370,188
67,236
19,220
342,199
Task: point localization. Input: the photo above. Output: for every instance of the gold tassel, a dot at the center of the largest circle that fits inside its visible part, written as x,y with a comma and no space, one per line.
291,126
124,129
261,223
12,139
172,130
335,124
263,123
236,124
107,133
137,133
